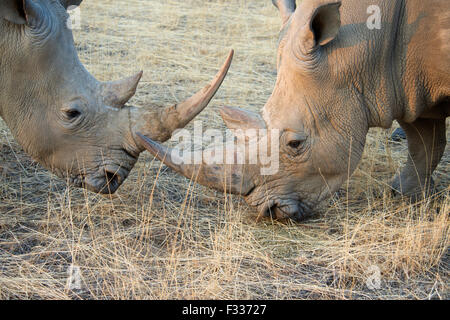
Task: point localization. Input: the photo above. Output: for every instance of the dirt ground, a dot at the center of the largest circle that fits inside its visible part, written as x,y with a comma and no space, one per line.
162,236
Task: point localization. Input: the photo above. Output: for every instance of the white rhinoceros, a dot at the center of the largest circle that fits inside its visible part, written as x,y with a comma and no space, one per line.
76,126
343,67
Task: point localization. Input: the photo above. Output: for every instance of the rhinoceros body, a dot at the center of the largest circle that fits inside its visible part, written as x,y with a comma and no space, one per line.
62,116
339,74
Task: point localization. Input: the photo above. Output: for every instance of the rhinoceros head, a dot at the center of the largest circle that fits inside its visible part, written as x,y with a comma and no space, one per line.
320,132
71,123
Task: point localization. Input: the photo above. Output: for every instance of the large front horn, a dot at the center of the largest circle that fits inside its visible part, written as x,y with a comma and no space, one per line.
178,116
225,178
159,125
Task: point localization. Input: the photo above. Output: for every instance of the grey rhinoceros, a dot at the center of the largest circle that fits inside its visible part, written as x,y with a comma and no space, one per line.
340,72
76,126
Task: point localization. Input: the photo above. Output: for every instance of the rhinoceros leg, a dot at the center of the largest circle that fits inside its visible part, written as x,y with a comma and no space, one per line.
426,145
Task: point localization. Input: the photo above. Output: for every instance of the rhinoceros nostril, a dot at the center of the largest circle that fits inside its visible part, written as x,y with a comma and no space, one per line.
283,210
293,211
281,213
266,211
128,153
270,211
112,177
112,182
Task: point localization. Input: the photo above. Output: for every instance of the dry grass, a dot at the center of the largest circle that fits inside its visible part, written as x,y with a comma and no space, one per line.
162,237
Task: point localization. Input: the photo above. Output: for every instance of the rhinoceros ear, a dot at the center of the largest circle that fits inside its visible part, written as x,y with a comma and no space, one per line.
68,3
13,11
323,25
22,12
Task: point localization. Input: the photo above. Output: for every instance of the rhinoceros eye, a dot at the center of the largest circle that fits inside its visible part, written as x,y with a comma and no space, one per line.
295,140
295,144
72,114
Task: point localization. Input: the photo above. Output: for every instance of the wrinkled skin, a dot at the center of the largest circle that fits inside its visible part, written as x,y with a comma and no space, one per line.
336,79
76,126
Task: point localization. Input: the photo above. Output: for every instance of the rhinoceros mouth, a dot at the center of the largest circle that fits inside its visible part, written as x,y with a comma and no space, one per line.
105,181
295,210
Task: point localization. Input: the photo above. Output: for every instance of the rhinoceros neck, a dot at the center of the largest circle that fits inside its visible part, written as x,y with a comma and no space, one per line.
424,59
370,54
409,75
396,70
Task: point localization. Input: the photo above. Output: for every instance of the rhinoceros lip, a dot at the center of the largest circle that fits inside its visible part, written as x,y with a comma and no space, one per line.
280,210
106,181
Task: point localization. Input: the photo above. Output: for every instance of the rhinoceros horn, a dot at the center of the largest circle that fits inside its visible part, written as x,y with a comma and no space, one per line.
161,125
222,177
231,178
117,93
178,116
